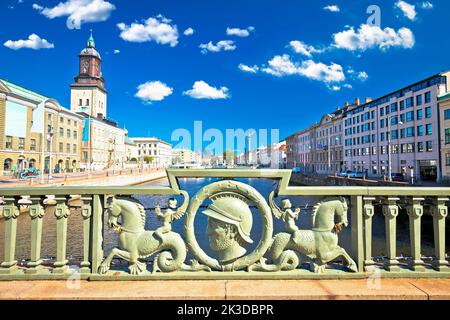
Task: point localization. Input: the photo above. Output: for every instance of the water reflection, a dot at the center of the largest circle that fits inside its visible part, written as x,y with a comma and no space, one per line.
264,186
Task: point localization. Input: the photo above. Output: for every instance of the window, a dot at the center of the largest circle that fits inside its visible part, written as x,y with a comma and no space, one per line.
74,148
410,132
419,100
447,114
21,143
409,116
410,148
75,134
68,121
429,129
387,110
420,147
33,144
419,131
68,133
428,112
402,118
394,121
447,159
419,114
403,148
394,107
429,146
394,149
402,105
447,136
382,136
402,133
381,112
8,142
87,102
80,102
383,150
61,147
394,134
428,97
49,117
61,119
61,132
68,147
410,102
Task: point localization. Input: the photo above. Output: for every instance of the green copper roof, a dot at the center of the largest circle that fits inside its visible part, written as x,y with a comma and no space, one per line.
444,96
22,92
91,42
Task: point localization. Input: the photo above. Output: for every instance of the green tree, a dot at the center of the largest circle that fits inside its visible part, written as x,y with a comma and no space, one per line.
149,159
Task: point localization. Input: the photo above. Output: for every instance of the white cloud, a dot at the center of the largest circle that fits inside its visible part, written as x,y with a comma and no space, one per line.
240,32
153,91
202,90
156,29
116,51
33,42
361,75
367,37
246,68
302,48
189,32
332,8
409,10
78,11
223,45
427,5
283,66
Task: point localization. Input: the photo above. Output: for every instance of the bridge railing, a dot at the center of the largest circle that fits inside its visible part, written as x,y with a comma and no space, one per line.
94,208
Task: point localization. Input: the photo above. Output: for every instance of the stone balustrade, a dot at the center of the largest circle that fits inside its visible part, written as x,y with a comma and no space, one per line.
282,253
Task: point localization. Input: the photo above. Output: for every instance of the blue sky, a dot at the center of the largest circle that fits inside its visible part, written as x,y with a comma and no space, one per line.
299,59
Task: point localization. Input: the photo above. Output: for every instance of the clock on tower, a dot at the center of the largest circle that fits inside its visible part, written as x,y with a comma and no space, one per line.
88,93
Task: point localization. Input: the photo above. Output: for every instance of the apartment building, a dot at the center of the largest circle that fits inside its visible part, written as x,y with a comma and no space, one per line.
159,150
406,122
444,123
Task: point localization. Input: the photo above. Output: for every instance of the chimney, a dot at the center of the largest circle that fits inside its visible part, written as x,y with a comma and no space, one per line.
357,101
368,100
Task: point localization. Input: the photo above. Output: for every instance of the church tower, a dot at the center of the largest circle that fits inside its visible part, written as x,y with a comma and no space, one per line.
88,93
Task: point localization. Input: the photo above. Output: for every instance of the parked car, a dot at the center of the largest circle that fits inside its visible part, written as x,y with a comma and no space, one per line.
398,177
296,170
344,173
357,175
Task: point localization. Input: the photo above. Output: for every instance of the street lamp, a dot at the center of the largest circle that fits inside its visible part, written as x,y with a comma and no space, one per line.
389,147
49,139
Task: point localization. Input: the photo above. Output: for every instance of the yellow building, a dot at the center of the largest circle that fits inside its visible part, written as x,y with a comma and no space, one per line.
31,127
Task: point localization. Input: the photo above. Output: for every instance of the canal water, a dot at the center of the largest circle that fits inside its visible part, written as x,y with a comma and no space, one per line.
264,186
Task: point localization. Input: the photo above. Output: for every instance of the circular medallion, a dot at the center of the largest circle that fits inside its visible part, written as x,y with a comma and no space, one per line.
229,225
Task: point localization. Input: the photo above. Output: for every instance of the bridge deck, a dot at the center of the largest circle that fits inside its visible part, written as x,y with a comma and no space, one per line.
385,289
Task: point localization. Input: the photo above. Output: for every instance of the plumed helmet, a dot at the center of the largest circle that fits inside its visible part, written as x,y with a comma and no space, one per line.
232,208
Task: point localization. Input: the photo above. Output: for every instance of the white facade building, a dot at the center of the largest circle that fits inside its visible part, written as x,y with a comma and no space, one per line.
159,150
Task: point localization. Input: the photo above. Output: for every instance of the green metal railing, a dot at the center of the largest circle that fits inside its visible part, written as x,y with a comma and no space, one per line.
90,202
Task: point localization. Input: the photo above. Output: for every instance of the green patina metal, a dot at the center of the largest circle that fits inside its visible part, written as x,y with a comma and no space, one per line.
278,254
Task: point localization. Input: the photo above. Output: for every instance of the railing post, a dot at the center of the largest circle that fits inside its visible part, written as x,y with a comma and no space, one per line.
439,211
415,213
62,213
10,214
86,213
37,213
369,211
97,233
390,212
357,231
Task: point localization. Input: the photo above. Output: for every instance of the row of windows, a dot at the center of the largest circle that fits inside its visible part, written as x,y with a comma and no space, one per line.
61,120
68,133
21,146
61,147
395,149
404,118
394,107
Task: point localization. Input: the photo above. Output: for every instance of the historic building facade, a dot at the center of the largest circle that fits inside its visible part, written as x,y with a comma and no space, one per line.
37,132
158,150
444,123
103,144
406,122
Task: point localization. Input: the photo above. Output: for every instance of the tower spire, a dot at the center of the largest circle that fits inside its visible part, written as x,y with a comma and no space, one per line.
91,42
